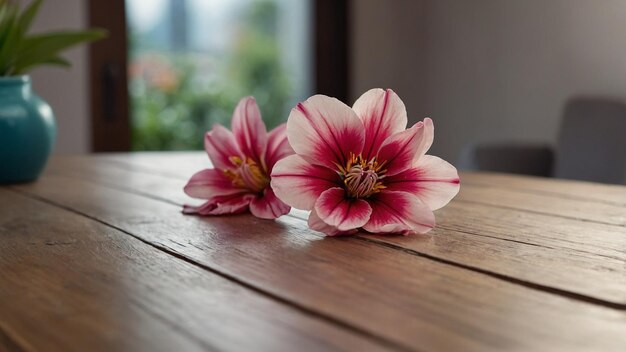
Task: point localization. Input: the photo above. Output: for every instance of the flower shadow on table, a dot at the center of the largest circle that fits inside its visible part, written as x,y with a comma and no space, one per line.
240,228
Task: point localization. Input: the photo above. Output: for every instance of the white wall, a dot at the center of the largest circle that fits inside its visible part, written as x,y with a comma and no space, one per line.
490,70
66,90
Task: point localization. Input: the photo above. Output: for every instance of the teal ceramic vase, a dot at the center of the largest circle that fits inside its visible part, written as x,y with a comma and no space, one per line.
27,131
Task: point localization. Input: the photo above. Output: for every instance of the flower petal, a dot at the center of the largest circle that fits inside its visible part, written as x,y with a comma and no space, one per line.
220,144
398,151
325,131
220,205
249,129
317,224
427,139
209,183
335,209
278,146
383,114
399,212
299,183
433,180
268,206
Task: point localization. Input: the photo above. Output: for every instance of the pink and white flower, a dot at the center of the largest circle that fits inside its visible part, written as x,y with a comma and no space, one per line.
243,160
360,168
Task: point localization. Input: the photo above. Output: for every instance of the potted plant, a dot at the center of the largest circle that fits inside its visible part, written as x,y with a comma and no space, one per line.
27,126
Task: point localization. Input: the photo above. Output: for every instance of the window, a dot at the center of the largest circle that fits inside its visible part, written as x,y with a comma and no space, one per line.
191,60
170,69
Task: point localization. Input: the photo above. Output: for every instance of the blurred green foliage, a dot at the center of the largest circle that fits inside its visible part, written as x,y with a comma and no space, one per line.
21,51
174,103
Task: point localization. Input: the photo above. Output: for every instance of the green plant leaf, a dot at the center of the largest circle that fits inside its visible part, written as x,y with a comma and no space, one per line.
8,18
9,37
16,25
20,52
26,18
38,49
53,61
57,61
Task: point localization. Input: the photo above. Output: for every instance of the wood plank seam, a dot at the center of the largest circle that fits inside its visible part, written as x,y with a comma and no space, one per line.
475,234
556,194
538,212
464,231
11,341
165,319
503,277
159,285
507,278
172,252
527,243
585,190
139,168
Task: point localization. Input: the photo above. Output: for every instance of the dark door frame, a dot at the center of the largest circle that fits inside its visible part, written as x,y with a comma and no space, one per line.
332,48
108,77
108,72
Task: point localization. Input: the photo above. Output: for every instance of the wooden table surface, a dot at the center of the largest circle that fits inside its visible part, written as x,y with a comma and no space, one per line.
96,255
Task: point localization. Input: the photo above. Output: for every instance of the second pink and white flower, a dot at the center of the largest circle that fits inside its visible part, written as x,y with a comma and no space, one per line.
243,160
360,168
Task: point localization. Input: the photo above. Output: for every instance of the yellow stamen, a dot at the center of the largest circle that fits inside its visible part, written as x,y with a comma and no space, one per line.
247,174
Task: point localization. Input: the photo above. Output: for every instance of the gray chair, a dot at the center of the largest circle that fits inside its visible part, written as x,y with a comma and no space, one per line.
520,158
591,147
592,141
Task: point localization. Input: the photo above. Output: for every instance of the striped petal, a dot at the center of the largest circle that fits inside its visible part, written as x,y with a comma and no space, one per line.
221,205
399,213
299,183
278,146
339,211
209,183
433,180
325,131
220,144
426,140
398,151
383,114
317,224
268,206
249,129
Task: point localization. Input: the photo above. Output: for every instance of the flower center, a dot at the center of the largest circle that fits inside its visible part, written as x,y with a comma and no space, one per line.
247,174
362,178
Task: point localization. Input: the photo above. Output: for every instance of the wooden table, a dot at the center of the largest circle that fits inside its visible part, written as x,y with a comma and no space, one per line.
96,255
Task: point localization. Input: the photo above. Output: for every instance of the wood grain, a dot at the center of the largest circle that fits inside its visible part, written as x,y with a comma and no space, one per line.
396,295
558,253
602,203
604,213
582,190
176,164
70,283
